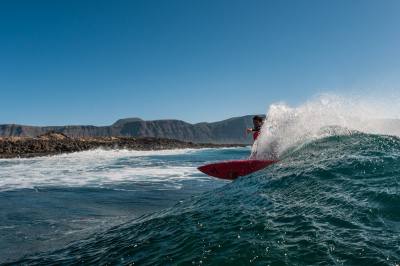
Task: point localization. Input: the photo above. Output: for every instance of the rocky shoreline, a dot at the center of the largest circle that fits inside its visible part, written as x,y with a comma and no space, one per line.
58,143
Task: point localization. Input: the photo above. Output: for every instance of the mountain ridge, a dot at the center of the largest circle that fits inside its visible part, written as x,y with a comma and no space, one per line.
228,131
231,130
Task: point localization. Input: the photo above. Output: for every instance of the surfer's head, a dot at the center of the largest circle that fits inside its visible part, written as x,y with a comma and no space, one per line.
257,121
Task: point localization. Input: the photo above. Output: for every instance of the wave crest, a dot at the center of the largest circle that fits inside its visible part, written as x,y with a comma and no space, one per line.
325,115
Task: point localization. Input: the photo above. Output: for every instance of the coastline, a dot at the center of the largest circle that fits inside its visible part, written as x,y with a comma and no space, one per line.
58,143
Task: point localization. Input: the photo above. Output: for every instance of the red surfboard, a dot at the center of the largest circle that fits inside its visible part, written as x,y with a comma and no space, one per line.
232,169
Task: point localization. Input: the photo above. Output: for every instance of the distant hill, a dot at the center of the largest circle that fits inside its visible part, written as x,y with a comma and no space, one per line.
227,131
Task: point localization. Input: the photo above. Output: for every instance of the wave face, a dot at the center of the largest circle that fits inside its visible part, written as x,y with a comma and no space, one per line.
332,201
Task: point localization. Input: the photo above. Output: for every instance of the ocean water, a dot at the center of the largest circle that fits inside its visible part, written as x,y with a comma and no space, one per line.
332,199
48,202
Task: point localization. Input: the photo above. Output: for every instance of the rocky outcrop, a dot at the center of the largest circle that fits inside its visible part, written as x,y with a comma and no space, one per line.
56,143
227,131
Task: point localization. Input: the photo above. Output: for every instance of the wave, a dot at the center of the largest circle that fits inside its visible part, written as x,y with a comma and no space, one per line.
334,200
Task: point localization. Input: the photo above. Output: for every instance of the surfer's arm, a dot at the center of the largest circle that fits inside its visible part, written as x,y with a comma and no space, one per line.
249,130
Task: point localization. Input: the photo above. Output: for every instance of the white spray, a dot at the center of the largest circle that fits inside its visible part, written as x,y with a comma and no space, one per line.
325,115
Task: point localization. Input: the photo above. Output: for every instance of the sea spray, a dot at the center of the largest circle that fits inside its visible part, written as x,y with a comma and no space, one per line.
326,115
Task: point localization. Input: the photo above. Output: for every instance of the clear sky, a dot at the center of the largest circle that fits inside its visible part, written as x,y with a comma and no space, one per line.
92,62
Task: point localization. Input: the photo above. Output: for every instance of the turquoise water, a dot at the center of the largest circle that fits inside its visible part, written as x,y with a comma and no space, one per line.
332,201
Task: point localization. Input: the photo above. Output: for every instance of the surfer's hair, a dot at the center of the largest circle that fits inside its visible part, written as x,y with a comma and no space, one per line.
257,118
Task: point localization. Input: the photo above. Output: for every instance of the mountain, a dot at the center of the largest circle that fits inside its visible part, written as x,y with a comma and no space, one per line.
227,131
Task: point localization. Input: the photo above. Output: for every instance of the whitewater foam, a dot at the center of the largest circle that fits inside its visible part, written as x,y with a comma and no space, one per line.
97,168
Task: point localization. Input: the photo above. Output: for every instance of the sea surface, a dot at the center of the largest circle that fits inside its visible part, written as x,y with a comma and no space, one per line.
47,203
331,200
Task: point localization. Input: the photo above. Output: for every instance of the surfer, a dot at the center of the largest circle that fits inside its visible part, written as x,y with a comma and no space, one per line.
257,124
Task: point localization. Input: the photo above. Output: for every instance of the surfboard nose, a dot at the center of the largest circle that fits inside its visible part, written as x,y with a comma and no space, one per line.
232,169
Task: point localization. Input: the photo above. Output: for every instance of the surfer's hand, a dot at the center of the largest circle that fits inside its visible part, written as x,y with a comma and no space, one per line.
248,130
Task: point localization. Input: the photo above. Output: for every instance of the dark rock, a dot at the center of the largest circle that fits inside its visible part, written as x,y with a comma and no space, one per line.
56,143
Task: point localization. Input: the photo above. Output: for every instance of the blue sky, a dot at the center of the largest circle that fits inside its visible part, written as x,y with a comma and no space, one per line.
92,62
